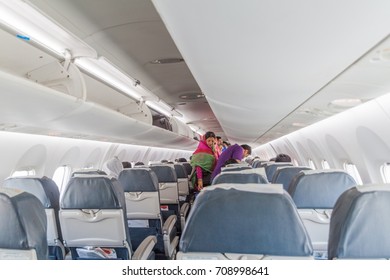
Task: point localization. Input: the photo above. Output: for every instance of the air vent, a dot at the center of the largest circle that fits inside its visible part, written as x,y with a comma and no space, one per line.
192,96
167,61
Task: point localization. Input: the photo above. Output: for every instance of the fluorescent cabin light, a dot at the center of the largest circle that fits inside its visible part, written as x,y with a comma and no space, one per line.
32,26
102,69
29,24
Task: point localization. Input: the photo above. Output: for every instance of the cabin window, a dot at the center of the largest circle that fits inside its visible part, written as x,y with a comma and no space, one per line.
24,172
311,164
61,176
325,164
352,170
385,172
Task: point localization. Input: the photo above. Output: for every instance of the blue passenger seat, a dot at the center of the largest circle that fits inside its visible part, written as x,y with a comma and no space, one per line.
315,193
239,178
271,167
46,190
360,224
284,175
22,226
244,221
169,194
93,219
143,211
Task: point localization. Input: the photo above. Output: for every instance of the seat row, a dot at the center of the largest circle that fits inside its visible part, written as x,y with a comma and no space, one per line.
253,221
97,211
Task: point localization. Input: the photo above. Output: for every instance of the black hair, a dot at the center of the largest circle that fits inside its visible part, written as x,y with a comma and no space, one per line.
282,158
209,134
230,161
126,164
247,147
182,160
139,163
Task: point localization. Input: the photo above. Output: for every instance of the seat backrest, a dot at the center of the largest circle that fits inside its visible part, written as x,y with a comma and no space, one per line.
244,219
360,224
140,186
182,179
239,177
167,179
188,167
315,192
22,226
46,190
283,175
93,213
270,168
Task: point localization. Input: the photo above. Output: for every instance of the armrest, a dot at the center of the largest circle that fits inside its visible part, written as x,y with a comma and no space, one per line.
145,248
184,209
169,224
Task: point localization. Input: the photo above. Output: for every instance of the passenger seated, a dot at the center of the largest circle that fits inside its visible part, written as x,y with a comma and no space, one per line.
113,167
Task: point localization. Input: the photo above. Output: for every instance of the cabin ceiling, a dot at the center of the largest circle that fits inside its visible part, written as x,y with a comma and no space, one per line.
266,68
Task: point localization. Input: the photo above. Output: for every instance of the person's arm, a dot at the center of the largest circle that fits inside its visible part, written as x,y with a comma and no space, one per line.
199,176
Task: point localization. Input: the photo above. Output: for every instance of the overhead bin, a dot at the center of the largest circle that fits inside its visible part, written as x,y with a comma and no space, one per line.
33,108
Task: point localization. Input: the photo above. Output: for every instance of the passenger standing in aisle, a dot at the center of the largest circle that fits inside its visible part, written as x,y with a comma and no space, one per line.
234,153
203,161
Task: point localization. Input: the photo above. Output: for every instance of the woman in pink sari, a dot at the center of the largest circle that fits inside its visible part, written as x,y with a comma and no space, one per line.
203,161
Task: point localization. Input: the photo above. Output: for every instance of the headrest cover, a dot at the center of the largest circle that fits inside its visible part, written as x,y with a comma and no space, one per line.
319,188
240,178
89,172
31,185
228,219
22,222
165,173
360,225
138,180
92,192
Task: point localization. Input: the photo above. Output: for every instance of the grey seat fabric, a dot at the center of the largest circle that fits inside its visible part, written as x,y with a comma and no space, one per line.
22,226
46,190
319,188
245,219
144,216
240,178
270,168
182,181
284,175
169,194
360,224
88,205
315,192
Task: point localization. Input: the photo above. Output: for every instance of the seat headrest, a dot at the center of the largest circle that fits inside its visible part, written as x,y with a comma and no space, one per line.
181,171
285,174
22,222
89,172
245,219
165,173
92,192
239,178
319,188
45,189
360,224
138,180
